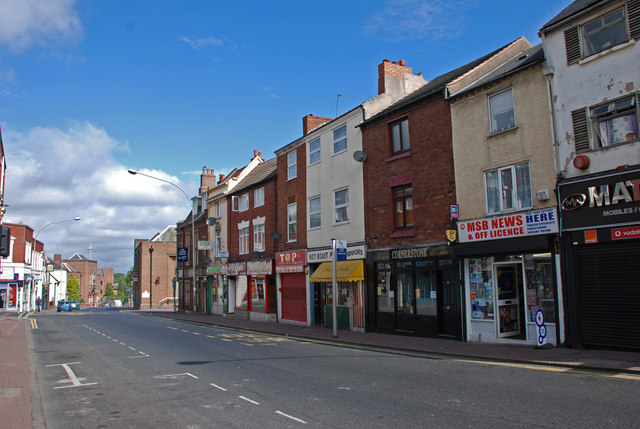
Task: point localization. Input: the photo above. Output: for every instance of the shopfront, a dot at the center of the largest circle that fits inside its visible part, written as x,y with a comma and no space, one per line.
350,288
216,294
254,289
510,273
601,244
9,296
415,291
293,293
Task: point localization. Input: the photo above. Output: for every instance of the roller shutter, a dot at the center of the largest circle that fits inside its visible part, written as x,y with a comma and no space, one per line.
609,294
294,297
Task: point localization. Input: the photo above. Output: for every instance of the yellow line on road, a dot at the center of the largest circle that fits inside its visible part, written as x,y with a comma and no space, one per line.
34,323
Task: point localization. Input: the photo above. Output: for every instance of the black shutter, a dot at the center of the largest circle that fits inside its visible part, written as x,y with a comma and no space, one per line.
608,277
580,130
633,12
572,44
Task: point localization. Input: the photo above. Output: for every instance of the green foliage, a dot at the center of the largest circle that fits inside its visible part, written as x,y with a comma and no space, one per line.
73,289
108,291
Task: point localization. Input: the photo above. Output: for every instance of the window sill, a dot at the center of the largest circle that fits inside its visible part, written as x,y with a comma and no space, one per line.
406,154
510,212
499,133
341,223
339,152
398,233
615,48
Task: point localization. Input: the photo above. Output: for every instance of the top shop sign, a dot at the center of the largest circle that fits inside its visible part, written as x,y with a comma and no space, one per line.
512,226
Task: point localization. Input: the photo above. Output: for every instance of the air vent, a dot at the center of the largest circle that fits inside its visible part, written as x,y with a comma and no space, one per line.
633,12
580,130
572,44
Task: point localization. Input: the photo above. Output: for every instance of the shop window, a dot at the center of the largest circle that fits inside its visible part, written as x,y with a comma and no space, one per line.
501,111
384,295
258,297
481,294
314,151
508,188
400,136
403,206
539,272
426,291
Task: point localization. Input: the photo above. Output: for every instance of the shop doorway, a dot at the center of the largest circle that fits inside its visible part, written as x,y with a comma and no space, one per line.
448,308
510,300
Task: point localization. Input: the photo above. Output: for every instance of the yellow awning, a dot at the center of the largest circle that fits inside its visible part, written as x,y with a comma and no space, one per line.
346,271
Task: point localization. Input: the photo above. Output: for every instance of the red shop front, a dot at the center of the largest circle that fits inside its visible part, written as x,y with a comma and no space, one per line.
292,286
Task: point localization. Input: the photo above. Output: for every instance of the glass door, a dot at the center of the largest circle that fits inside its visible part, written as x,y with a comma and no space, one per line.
509,282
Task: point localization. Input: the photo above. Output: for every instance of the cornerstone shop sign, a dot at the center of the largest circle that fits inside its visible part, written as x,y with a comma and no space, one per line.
607,200
517,225
291,262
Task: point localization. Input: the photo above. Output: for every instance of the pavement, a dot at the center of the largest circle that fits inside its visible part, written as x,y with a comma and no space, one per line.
21,406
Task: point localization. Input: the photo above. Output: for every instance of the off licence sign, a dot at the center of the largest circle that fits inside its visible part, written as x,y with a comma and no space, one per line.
511,226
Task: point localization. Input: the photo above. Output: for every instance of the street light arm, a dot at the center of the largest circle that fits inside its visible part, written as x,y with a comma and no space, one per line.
162,180
53,223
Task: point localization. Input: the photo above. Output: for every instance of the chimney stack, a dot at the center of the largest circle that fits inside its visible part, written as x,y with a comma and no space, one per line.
207,179
394,75
57,259
310,123
220,178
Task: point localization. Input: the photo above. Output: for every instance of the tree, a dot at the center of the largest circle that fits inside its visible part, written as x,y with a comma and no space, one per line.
108,291
73,289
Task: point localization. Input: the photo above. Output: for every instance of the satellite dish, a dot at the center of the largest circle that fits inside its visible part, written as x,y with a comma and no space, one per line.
275,235
212,221
360,156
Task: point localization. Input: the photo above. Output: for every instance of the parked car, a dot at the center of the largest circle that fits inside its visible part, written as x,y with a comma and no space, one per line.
74,305
64,306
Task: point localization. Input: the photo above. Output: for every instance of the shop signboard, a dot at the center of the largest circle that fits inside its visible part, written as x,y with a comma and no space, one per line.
544,221
236,268
183,254
217,269
260,268
297,257
353,252
205,245
612,199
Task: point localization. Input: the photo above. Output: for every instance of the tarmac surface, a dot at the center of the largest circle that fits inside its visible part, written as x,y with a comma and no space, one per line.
21,406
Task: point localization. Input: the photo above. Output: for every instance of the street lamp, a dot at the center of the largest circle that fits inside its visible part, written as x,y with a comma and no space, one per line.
193,230
35,238
150,276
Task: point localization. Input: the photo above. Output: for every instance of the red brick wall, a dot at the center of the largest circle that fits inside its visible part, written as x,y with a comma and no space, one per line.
431,163
84,271
289,192
267,210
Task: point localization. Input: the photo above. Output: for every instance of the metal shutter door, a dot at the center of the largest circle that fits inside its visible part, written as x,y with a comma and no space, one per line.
294,297
609,294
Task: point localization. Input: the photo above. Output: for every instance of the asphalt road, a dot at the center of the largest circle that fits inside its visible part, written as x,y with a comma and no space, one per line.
111,368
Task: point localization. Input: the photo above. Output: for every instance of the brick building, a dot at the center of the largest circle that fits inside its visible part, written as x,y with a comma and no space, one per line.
154,270
409,185
252,226
91,282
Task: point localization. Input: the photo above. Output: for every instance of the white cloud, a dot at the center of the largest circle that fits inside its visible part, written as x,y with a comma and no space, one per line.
24,23
431,20
55,174
199,43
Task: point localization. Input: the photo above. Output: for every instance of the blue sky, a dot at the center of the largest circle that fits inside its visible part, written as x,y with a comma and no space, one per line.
91,88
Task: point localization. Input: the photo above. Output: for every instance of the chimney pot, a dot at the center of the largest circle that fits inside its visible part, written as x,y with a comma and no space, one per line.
255,153
221,177
402,63
260,154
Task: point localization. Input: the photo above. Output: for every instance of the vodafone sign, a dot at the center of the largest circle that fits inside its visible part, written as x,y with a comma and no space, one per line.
625,233
512,226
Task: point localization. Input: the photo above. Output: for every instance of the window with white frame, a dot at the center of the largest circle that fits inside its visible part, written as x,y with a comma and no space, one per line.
340,139
218,209
240,203
258,238
218,243
501,112
292,167
607,124
258,197
244,240
341,199
314,151
608,30
315,213
400,136
508,188
292,222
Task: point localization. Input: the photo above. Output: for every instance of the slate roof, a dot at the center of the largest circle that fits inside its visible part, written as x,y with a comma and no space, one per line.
78,257
434,86
572,9
259,174
525,59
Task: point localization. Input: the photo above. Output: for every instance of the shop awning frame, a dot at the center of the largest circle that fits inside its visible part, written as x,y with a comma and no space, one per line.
346,271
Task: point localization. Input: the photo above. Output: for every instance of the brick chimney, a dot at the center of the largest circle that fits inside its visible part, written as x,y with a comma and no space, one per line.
310,123
221,177
207,179
395,75
57,259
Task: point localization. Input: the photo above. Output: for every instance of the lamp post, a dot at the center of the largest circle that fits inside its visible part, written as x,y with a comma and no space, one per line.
193,230
150,276
35,238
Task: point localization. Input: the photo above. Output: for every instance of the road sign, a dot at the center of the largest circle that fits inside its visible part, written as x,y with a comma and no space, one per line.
341,250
